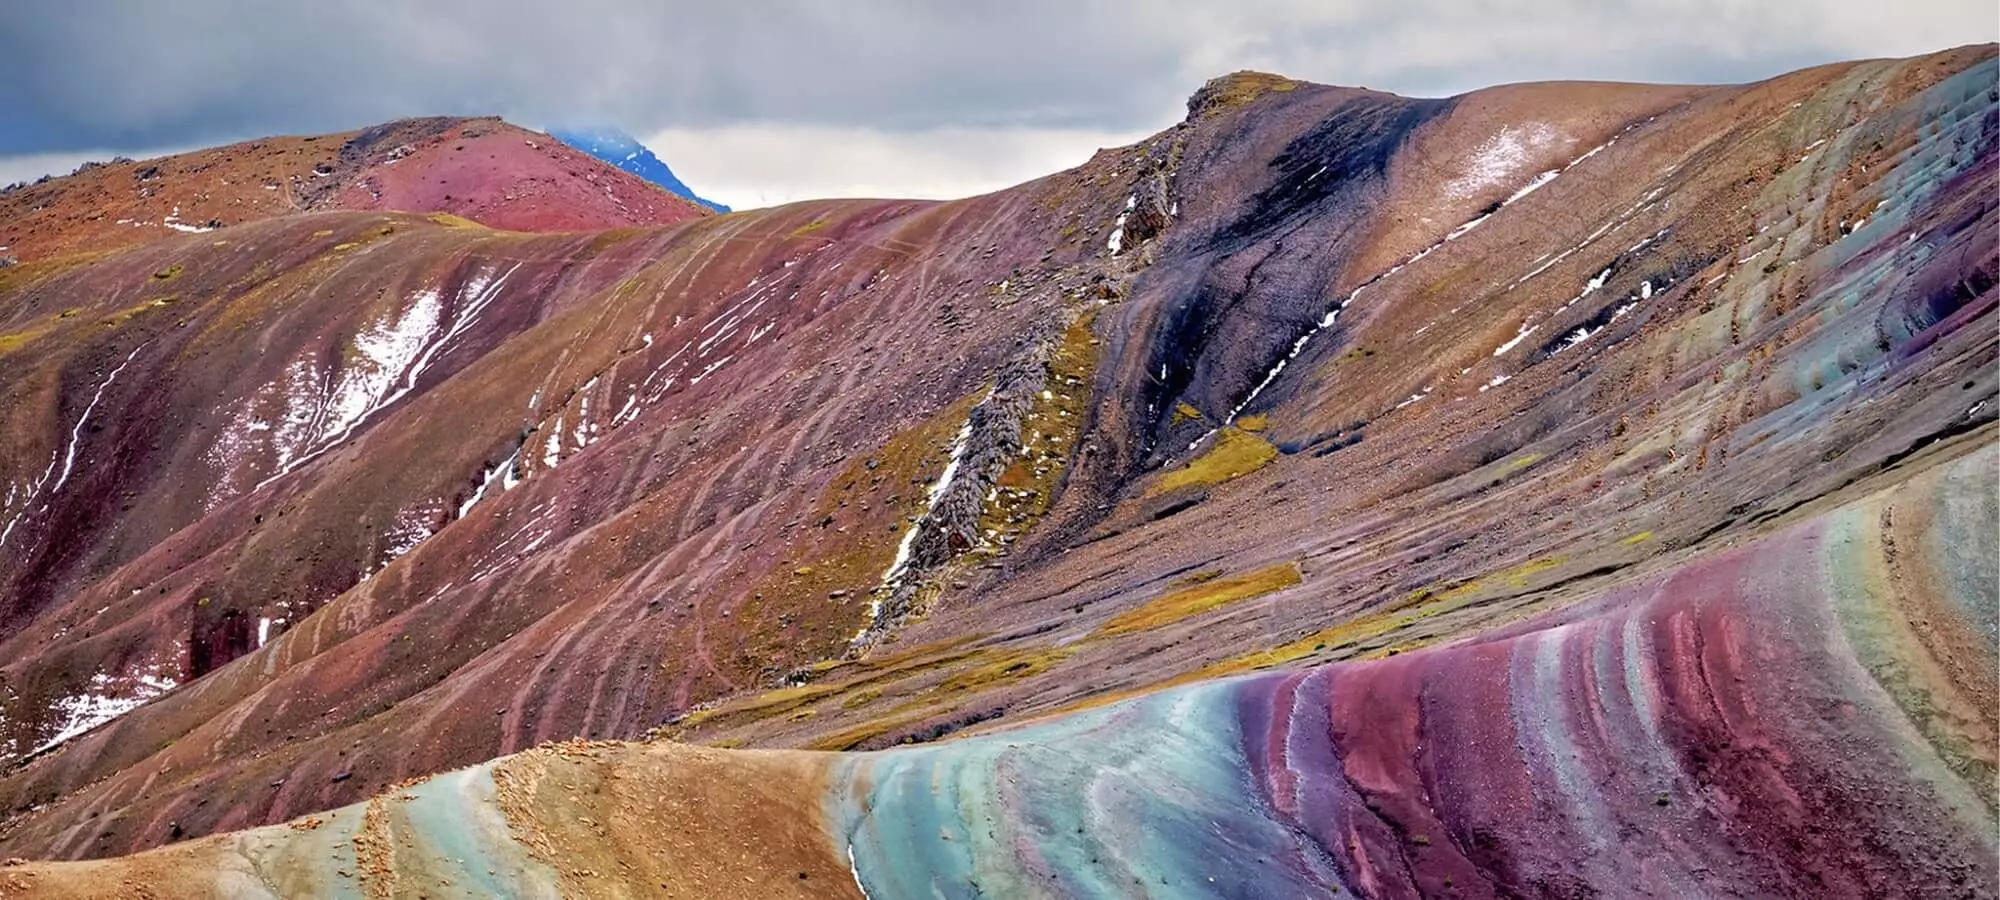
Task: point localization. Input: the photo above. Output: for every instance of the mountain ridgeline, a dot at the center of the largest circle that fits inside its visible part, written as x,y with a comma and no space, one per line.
1557,490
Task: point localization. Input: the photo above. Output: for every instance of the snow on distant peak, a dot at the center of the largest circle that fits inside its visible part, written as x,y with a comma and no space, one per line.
623,151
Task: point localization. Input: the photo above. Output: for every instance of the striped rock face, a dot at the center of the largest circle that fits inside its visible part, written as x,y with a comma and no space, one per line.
1557,490
1831,682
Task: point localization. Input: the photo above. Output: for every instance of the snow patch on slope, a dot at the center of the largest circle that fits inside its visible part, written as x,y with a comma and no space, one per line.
1539,181
106,697
1501,156
21,494
315,406
902,561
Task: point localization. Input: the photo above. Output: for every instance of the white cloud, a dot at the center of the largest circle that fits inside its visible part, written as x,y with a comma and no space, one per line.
206,71
792,99
30,166
750,166
35,165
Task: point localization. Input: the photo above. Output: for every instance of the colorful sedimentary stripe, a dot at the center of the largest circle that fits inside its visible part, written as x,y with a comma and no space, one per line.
1807,715
1811,714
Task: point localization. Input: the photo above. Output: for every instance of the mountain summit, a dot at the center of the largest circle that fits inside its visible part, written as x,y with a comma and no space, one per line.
483,170
625,152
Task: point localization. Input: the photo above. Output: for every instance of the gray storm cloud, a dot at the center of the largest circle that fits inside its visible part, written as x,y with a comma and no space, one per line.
144,73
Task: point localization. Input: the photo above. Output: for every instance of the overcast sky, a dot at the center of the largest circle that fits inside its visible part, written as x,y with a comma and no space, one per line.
774,100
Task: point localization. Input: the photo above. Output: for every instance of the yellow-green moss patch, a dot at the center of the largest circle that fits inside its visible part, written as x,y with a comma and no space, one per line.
1236,453
1238,88
1518,576
1203,597
15,340
1052,426
452,221
813,600
1202,577
1003,665
990,668
859,698
862,677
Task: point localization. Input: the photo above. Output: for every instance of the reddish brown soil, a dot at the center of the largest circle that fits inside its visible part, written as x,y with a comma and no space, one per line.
483,169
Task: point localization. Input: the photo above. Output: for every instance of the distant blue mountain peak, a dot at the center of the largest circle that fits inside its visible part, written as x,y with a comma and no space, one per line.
624,151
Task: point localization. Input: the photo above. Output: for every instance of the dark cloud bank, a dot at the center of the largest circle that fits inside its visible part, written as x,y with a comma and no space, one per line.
146,73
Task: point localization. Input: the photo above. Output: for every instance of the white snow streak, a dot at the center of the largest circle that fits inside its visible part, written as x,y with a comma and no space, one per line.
76,433
1526,329
855,870
1327,321
1534,185
552,451
1116,242
1501,156
388,357
902,560
106,699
